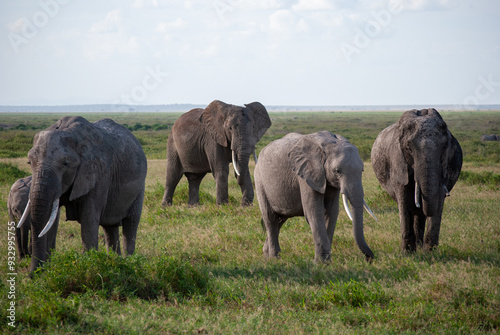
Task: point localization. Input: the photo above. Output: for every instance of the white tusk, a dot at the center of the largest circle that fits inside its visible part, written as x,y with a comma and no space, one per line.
234,164
417,195
346,206
369,210
446,192
53,215
25,214
255,157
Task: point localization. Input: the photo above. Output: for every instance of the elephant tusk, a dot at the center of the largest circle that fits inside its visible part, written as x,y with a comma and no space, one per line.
255,157
346,206
417,195
25,214
53,215
446,192
234,164
369,210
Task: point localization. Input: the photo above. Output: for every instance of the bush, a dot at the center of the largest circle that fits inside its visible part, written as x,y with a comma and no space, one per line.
10,173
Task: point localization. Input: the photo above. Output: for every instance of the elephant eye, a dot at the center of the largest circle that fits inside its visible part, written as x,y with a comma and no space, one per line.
66,163
338,171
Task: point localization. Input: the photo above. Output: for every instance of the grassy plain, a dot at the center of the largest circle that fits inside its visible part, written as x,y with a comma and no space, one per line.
201,270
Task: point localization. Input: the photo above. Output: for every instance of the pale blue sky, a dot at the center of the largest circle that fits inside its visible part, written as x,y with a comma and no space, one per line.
301,52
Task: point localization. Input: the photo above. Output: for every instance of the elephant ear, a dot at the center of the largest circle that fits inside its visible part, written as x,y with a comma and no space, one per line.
213,118
307,161
455,159
89,143
261,119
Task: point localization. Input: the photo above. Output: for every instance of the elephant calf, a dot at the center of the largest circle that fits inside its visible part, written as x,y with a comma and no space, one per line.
304,175
417,161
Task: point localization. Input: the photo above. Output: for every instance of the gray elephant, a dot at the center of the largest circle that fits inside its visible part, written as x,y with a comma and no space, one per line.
16,203
490,138
207,140
97,171
304,175
417,161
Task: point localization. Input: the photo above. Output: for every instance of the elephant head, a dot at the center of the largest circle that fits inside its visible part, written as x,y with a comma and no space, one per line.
16,203
64,167
237,128
428,148
324,160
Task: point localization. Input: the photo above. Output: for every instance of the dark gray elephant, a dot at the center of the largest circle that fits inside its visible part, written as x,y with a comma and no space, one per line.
490,138
417,161
207,140
97,171
304,175
16,203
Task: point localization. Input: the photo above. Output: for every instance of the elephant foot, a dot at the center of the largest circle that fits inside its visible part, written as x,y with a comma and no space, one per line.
429,247
166,203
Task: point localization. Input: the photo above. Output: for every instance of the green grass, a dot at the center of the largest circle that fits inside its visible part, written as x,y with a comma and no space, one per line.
201,270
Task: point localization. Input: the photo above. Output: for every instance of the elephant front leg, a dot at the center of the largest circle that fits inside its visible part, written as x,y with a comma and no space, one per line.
408,238
221,185
246,186
431,239
314,212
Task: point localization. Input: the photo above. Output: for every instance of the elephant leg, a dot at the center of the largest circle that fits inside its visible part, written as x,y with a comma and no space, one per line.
314,212
131,223
405,206
431,239
112,236
51,235
331,213
90,214
22,239
173,176
246,186
272,223
419,227
194,180
222,185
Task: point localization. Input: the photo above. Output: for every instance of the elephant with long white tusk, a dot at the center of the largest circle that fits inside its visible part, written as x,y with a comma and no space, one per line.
417,161
304,175
208,140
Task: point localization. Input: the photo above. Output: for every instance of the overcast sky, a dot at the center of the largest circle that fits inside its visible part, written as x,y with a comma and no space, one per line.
298,52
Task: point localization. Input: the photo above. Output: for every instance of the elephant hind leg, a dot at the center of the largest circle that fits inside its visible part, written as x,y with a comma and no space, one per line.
174,175
194,180
112,236
272,224
131,223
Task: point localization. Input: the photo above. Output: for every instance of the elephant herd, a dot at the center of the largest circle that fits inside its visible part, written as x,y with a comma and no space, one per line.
97,172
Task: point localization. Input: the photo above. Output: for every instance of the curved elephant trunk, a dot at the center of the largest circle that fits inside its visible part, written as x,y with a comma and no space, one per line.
355,195
44,202
429,189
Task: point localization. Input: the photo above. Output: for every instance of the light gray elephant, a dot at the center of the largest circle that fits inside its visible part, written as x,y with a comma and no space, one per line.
304,175
16,203
417,161
97,171
207,140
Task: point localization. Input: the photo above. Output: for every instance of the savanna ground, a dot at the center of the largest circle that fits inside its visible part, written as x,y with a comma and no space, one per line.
201,270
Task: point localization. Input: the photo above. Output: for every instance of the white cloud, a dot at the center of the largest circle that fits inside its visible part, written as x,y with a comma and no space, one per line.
284,21
164,27
109,24
421,5
312,5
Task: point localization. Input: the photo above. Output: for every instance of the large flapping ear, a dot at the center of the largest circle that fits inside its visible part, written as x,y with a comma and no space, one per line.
261,119
307,161
88,141
213,118
454,163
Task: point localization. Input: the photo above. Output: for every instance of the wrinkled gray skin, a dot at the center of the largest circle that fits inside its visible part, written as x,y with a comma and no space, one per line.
16,203
418,149
304,175
98,171
202,141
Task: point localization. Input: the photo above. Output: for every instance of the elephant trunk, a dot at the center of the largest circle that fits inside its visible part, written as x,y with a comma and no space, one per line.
44,190
356,198
428,189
